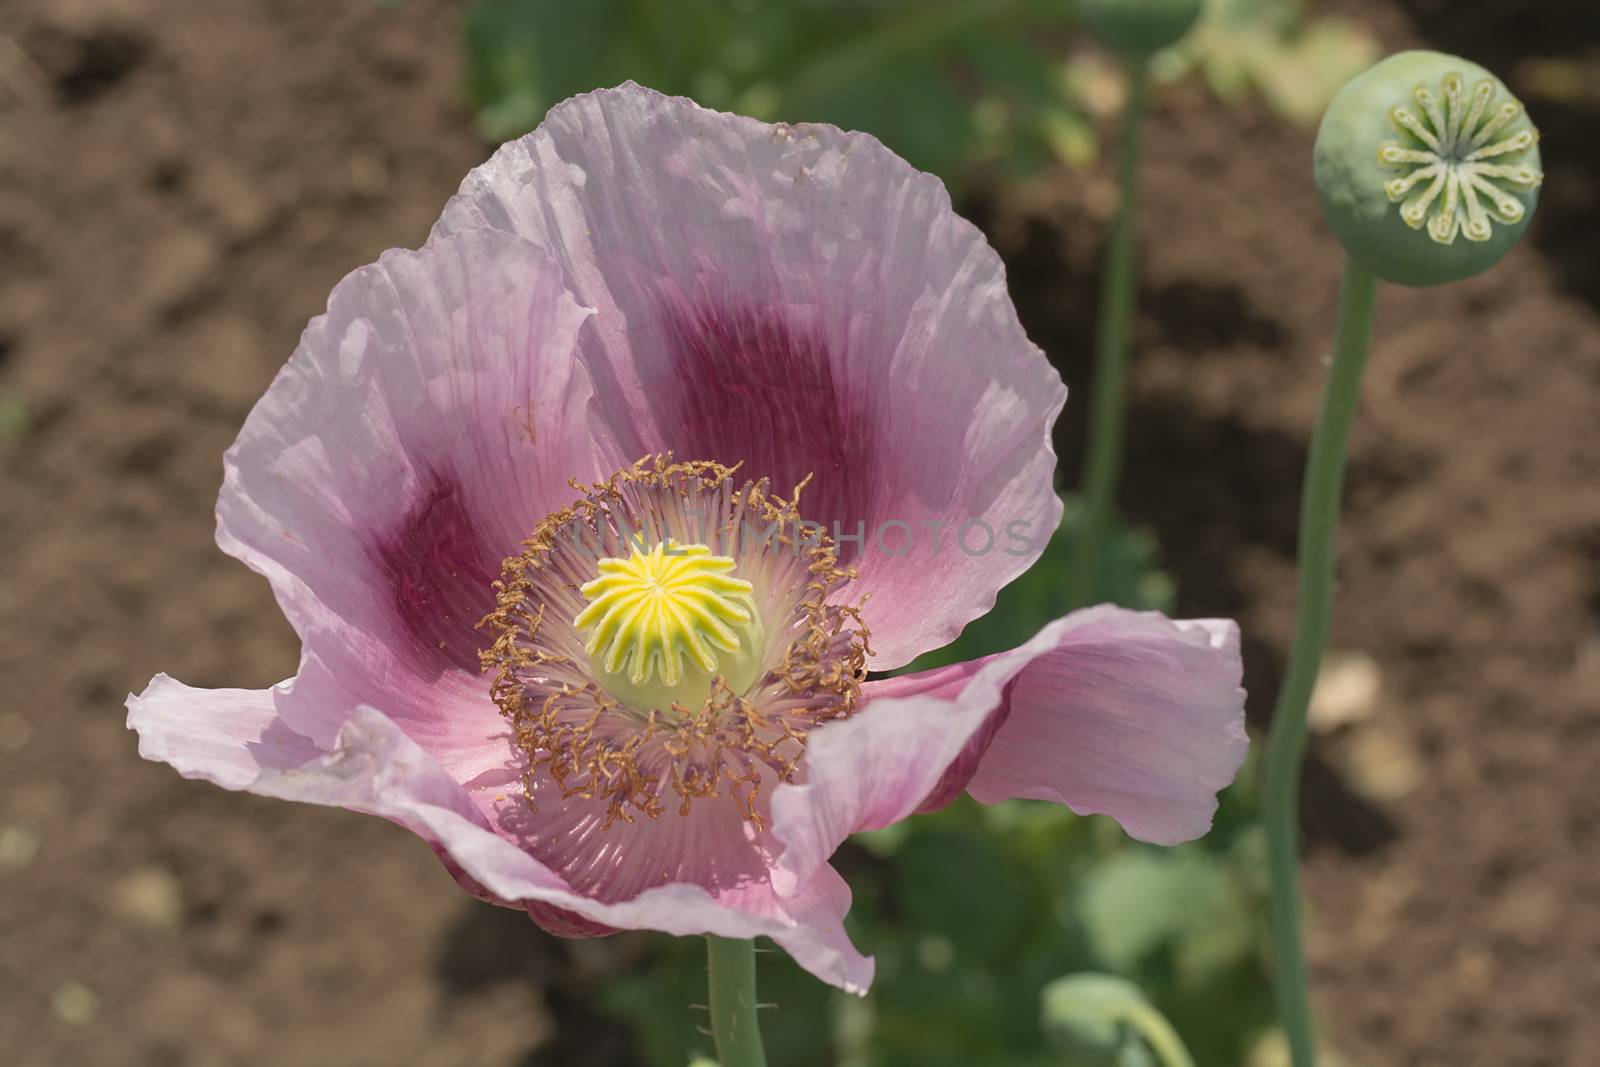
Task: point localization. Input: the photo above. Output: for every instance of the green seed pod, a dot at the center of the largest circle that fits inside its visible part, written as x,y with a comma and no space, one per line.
1427,168
1138,27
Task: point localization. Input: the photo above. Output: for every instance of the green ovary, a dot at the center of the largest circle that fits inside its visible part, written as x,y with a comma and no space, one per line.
666,621
1427,168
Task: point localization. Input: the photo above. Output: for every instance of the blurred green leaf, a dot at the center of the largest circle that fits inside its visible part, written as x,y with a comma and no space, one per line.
887,841
961,887
1270,47
952,85
1300,81
1142,899
1086,1017
1086,1010
958,87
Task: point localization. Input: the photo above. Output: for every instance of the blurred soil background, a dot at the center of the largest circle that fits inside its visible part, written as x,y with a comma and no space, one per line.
181,183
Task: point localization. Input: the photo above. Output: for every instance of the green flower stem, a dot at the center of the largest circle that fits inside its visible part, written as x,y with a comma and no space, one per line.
1109,399
1160,1037
1319,527
732,965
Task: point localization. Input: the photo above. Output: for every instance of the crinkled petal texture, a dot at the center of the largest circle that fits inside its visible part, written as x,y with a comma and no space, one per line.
1108,711
803,301
425,423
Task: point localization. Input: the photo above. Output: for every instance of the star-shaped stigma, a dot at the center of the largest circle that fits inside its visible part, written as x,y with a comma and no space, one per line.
647,612
1453,150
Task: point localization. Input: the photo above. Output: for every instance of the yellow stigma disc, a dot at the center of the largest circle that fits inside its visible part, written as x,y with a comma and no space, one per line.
665,621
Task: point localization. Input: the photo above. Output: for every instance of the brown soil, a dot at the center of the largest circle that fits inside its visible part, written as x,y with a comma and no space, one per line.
180,185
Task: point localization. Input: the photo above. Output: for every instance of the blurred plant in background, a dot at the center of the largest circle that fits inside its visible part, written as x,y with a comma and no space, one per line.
949,84
1272,48
962,88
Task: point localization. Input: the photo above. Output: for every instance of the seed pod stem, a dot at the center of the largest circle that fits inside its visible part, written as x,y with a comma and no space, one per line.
1317,559
1427,169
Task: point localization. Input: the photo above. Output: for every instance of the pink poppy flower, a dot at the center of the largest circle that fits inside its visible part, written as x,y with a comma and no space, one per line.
622,690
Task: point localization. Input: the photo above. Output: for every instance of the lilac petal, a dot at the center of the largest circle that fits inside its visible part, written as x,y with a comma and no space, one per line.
882,764
424,424
711,845
224,736
1131,715
1108,711
801,300
451,716
235,739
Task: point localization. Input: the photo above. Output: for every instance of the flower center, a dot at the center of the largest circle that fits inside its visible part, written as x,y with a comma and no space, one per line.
666,621
1457,171
671,637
